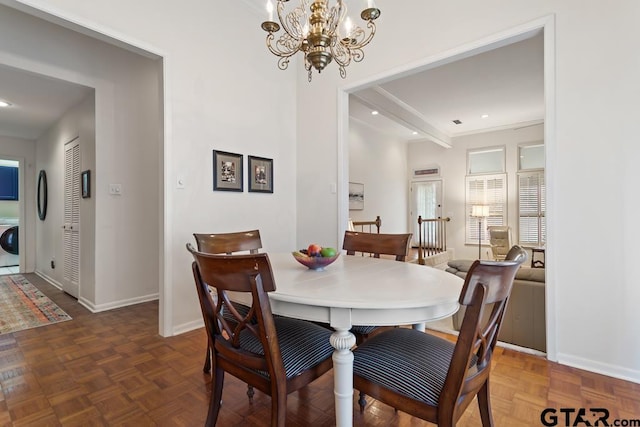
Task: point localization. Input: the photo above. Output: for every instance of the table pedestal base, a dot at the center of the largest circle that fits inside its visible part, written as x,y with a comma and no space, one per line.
343,340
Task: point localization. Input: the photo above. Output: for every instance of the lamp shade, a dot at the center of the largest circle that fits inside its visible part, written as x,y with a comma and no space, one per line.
480,211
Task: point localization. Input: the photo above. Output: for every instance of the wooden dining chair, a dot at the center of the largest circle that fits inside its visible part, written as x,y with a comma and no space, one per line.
433,378
228,243
377,244
276,355
374,244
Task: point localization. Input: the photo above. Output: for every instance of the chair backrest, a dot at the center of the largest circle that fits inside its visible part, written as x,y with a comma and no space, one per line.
227,243
487,286
516,253
377,244
250,274
500,240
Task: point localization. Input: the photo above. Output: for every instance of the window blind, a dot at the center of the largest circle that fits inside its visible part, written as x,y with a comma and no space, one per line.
490,190
531,208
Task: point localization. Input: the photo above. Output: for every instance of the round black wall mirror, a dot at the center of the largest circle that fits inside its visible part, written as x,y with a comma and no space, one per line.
42,195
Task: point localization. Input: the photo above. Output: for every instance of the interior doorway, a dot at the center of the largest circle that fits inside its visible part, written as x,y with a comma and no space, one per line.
128,81
9,216
426,202
544,26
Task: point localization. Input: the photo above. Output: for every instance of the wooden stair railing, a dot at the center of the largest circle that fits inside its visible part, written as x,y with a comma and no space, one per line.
432,237
362,224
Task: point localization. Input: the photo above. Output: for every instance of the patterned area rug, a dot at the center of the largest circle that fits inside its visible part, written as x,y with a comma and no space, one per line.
23,306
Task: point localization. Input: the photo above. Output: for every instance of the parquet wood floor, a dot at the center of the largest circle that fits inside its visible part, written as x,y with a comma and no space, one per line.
113,368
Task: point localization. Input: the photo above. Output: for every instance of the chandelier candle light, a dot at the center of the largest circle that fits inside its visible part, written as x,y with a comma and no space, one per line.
326,34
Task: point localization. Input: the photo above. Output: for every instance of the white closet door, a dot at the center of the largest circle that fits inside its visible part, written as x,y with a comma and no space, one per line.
71,226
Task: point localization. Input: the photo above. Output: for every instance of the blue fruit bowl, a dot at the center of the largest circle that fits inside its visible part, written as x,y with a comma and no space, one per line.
314,262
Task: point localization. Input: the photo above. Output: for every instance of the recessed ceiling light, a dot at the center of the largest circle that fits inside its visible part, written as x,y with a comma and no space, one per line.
484,116
374,113
4,103
415,133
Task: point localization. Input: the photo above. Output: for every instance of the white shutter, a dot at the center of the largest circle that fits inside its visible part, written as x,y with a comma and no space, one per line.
531,208
490,190
71,239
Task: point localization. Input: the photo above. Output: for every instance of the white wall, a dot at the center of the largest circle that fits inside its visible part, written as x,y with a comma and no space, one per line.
453,164
591,292
220,95
379,162
24,150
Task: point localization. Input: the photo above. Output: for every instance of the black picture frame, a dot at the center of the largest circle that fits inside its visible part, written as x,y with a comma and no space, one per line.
227,171
85,184
260,175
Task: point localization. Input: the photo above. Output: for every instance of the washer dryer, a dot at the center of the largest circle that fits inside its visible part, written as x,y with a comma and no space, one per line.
9,245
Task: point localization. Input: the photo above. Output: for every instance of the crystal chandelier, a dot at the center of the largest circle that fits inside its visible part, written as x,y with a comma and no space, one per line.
324,35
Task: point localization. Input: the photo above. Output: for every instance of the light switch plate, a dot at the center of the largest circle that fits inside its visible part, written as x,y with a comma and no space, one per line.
115,189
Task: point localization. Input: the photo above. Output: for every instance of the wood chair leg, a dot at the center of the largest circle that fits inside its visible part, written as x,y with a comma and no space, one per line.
250,393
207,361
216,397
278,410
362,401
484,404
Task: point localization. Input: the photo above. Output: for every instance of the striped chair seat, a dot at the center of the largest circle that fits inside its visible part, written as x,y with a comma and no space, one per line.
406,361
303,344
363,330
241,308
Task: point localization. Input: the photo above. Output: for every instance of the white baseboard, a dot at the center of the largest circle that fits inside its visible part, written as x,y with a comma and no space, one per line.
187,327
607,369
97,308
51,281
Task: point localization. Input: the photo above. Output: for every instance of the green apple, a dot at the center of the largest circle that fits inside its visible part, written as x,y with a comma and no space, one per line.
328,252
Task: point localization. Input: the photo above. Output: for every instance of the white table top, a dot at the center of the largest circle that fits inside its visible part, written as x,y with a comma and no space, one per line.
374,291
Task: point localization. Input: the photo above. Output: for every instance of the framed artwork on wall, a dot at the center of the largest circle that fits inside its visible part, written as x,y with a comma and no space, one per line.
227,171
85,184
356,196
260,174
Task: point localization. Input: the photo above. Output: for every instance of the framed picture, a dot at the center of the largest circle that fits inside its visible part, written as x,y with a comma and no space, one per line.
227,171
260,174
356,196
85,184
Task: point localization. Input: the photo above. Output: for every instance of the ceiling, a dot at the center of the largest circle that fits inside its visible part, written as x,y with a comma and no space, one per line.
505,83
37,102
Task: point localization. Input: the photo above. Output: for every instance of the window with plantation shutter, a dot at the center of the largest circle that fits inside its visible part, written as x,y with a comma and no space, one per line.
489,190
531,208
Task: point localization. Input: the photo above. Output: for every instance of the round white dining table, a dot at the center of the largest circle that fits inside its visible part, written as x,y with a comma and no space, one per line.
360,290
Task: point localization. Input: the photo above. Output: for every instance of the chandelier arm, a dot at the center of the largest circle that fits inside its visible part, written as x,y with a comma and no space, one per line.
336,15
291,21
283,47
357,41
348,49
